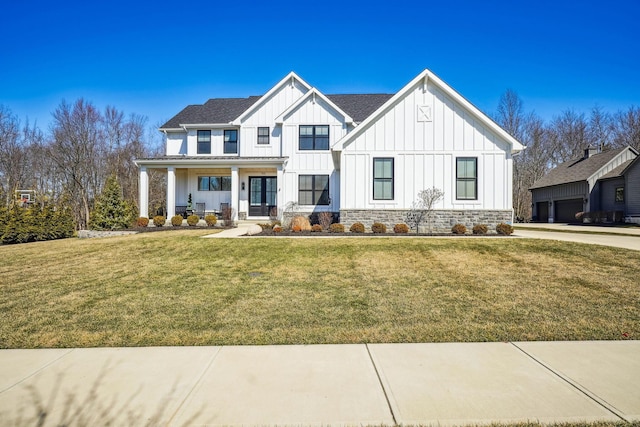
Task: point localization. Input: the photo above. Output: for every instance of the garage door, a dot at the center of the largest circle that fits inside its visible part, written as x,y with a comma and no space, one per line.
542,209
566,210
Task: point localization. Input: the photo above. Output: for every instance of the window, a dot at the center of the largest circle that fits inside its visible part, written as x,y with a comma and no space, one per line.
230,141
263,135
619,194
214,183
204,142
383,179
313,189
467,178
314,137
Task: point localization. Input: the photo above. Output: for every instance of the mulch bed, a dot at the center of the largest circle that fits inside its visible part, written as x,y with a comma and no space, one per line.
289,233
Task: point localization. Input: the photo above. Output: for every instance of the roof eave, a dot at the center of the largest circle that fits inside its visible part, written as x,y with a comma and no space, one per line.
312,93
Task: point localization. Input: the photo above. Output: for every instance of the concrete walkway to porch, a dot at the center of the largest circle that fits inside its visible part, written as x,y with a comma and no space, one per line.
240,230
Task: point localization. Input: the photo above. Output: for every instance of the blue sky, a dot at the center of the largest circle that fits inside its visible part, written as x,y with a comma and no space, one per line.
154,58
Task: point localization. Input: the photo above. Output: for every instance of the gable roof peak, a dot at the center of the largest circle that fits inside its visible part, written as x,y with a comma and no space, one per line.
426,78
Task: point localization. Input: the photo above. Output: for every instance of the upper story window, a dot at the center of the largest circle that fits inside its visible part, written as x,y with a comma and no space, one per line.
314,137
263,135
383,178
204,142
231,141
467,178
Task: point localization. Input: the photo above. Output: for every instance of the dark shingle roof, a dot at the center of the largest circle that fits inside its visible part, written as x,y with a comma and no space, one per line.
225,110
360,106
217,110
576,170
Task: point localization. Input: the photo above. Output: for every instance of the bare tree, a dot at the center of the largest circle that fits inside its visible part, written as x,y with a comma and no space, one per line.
12,153
510,114
626,128
569,136
600,128
78,151
423,207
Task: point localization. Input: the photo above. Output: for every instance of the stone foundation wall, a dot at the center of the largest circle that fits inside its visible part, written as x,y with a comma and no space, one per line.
441,220
288,216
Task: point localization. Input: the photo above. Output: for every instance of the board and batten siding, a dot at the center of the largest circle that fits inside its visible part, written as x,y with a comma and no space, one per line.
176,143
572,190
264,115
424,153
305,162
608,195
632,191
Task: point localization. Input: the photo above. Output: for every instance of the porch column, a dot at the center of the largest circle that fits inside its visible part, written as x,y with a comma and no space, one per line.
280,191
171,192
143,192
235,193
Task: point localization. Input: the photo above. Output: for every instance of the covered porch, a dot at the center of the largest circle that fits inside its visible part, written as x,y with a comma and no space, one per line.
250,187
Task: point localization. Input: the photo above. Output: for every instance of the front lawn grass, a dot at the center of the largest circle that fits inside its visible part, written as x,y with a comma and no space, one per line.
178,289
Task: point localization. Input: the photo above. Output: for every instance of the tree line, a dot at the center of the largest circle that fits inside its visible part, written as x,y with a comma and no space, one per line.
72,160
558,140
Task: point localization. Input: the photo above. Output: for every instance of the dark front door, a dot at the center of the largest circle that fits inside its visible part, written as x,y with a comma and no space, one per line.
262,195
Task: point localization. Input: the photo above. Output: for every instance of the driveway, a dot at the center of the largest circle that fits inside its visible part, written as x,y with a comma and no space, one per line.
626,238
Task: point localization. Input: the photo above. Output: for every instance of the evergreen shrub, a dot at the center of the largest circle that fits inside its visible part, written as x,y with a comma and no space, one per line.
211,220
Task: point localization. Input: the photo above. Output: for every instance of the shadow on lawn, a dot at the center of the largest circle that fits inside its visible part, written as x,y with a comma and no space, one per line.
94,408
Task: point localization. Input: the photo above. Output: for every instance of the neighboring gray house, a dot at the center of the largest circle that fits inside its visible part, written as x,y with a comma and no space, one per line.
607,182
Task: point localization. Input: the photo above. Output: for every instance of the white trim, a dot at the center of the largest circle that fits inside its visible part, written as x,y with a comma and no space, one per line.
431,79
206,126
313,92
231,161
288,79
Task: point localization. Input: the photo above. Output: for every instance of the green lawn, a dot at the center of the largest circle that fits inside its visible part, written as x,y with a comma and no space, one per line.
174,288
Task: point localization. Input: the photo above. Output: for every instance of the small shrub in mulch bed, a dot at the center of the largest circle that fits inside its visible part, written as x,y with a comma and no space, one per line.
176,220
401,228
480,229
357,227
378,228
459,229
504,229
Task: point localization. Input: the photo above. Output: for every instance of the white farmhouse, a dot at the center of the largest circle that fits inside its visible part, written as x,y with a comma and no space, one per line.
363,157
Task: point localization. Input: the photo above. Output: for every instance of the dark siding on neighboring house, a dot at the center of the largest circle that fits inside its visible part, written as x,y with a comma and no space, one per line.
572,190
632,189
608,195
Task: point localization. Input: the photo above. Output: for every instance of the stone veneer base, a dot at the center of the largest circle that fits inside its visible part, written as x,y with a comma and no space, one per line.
441,220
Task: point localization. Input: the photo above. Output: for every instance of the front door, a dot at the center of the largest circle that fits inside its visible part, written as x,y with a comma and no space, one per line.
262,195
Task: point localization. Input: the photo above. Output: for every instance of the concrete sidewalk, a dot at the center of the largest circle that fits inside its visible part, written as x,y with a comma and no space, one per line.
375,384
